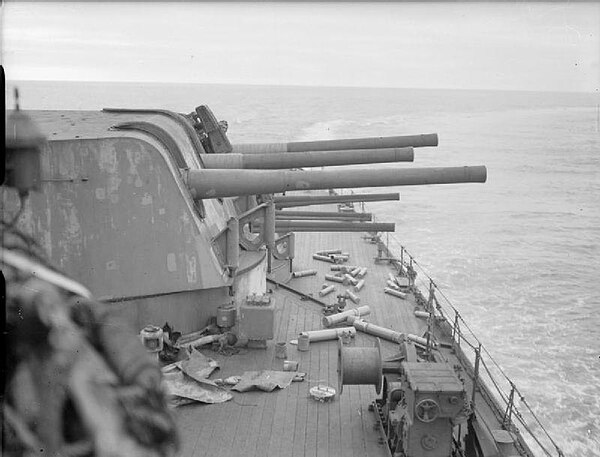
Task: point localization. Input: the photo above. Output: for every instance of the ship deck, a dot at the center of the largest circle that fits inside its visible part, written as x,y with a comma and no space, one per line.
288,421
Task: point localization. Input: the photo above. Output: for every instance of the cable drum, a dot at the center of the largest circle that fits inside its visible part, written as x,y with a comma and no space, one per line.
359,366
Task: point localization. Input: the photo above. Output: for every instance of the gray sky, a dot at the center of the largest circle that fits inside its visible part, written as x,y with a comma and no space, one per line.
514,46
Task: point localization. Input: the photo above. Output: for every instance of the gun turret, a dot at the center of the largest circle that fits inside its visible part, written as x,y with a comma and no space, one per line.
291,201
206,249
308,158
414,141
228,183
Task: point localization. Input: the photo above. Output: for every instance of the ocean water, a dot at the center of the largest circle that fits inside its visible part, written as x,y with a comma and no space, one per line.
518,255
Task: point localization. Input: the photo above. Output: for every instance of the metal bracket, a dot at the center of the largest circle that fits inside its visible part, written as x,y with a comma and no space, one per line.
285,247
252,231
226,246
257,227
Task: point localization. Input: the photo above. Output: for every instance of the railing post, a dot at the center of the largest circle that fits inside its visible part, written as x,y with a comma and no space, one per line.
410,271
509,408
269,223
429,330
387,245
475,374
456,328
430,297
402,260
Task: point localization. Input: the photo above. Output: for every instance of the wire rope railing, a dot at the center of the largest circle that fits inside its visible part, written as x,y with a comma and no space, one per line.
511,407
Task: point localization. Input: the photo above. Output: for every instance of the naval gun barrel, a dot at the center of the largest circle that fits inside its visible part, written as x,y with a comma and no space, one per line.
282,226
231,183
307,158
291,201
403,141
282,215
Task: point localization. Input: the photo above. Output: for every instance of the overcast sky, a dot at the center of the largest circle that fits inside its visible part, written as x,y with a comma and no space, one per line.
514,46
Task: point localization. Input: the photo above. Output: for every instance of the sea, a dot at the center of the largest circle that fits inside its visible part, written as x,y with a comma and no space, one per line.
518,256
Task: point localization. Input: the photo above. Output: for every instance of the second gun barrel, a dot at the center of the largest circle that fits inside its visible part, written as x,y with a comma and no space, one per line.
307,159
403,141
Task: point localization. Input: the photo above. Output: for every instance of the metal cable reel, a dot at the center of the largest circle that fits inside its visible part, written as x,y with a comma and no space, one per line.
360,366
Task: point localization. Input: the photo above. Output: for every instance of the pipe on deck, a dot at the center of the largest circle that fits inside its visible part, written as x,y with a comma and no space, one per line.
329,334
376,330
334,319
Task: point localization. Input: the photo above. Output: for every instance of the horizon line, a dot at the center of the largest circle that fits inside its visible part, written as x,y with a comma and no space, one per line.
325,86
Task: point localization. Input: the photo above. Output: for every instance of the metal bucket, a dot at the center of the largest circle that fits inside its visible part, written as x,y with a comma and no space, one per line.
281,350
226,316
152,338
303,342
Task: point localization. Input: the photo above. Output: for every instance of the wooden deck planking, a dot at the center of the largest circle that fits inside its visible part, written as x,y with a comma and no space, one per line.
278,412
188,428
294,391
323,408
285,419
288,421
312,430
301,406
387,311
265,428
217,439
359,448
249,424
229,427
335,431
358,422
345,427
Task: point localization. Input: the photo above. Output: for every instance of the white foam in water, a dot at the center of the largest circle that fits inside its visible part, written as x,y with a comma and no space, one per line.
518,255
